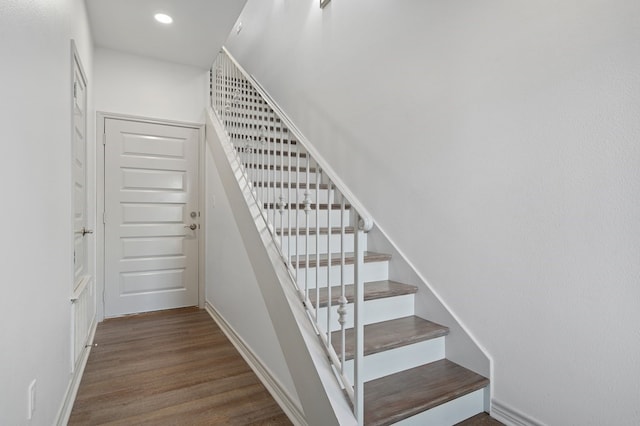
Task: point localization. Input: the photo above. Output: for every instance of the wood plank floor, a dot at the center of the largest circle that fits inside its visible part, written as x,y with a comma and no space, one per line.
170,368
482,419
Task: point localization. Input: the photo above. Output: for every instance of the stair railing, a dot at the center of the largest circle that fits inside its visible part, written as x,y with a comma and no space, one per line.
307,210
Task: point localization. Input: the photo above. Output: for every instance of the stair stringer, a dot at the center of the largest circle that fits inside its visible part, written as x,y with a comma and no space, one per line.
320,394
461,346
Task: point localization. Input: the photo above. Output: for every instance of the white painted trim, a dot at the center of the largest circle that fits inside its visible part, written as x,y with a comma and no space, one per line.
72,389
78,291
202,182
511,416
116,116
277,391
101,116
99,228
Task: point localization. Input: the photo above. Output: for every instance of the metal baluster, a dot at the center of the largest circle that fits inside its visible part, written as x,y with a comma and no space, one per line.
244,127
230,109
329,266
261,166
216,102
298,188
307,198
260,133
225,101
289,187
342,300
358,321
219,73
253,130
307,209
318,179
272,157
246,134
282,199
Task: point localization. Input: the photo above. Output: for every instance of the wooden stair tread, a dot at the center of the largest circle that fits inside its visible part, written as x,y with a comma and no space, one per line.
369,256
389,334
312,206
372,290
312,231
401,395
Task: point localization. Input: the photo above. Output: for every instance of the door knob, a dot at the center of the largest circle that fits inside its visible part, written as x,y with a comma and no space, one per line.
193,226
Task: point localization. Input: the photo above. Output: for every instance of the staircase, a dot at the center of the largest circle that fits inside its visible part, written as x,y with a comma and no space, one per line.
405,374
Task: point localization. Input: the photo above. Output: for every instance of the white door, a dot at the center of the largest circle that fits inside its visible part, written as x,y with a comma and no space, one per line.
79,174
151,216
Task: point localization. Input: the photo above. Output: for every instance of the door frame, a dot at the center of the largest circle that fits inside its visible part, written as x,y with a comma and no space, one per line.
101,116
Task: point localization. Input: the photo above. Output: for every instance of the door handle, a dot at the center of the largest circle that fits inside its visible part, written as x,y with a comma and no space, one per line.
193,226
84,231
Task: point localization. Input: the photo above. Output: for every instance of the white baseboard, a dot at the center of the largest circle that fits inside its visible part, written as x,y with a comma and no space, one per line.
72,390
510,416
277,391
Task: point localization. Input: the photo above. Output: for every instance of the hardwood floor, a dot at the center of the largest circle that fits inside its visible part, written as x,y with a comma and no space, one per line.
482,419
170,368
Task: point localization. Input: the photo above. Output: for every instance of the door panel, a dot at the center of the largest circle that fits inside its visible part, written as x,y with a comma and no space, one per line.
79,156
151,256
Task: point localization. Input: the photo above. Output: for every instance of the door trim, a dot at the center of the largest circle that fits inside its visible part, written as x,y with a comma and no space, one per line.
101,117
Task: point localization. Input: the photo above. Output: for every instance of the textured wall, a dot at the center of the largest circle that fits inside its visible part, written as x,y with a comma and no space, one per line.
497,144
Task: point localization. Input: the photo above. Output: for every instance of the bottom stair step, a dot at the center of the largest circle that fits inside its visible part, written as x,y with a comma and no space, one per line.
398,396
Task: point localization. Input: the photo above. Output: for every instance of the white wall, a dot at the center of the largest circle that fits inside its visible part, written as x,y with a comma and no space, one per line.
510,129
231,285
135,85
35,158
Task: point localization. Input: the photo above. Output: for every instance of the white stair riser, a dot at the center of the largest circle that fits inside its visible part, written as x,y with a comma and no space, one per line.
310,246
395,360
372,271
374,311
449,413
320,215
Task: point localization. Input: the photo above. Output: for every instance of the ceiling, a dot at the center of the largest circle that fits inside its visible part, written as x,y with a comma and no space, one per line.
199,27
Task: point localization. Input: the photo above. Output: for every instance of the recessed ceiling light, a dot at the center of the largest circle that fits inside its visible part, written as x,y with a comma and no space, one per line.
163,18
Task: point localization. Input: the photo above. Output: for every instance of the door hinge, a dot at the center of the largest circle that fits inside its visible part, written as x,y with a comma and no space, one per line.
104,217
75,90
104,139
